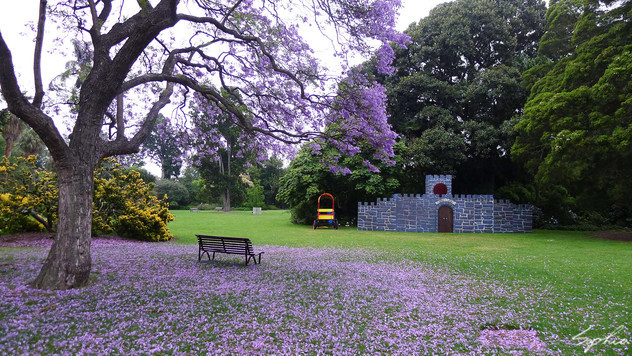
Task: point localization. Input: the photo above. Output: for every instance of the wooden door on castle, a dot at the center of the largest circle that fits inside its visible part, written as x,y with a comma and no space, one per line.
445,219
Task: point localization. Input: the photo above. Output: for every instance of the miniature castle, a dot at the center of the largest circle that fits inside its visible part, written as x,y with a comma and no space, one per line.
438,210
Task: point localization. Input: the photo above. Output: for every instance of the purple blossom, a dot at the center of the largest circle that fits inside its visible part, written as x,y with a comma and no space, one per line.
285,95
385,57
371,167
145,297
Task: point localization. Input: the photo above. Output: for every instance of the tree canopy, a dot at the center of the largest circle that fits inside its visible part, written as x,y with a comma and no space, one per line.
576,132
457,91
309,176
162,147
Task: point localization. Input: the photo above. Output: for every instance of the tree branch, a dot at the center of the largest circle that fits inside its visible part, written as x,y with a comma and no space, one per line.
37,60
121,145
101,86
29,113
120,119
96,22
47,225
247,38
230,12
121,31
105,13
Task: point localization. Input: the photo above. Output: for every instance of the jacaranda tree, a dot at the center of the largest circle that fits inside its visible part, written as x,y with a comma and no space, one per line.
163,51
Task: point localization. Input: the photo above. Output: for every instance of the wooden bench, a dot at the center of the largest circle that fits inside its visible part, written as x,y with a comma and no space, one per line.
230,245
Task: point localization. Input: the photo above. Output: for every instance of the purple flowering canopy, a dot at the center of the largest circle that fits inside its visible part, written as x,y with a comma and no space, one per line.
249,60
255,66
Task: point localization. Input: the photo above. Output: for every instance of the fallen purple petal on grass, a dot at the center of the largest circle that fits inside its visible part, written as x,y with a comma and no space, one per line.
149,298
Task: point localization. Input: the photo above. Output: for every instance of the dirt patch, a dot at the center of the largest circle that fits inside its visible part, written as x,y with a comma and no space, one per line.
613,235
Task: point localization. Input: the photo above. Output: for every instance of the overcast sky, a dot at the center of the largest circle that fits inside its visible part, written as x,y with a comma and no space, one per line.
414,10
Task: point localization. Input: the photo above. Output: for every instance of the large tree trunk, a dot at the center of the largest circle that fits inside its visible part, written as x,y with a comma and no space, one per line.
68,263
225,172
226,200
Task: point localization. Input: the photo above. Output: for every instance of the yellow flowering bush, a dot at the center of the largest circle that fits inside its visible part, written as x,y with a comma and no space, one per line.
123,203
28,196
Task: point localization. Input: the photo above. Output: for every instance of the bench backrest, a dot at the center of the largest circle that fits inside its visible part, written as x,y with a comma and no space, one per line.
234,245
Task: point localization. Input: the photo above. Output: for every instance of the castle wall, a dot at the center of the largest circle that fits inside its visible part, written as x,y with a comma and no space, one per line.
380,216
419,213
509,217
474,213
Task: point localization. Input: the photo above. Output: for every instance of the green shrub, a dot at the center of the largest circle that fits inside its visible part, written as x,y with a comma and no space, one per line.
304,213
205,206
175,192
254,196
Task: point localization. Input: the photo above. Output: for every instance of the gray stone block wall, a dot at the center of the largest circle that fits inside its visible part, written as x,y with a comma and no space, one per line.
378,216
419,213
432,180
407,212
474,213
509,217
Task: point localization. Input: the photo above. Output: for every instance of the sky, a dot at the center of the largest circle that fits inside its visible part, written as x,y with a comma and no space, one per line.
414,10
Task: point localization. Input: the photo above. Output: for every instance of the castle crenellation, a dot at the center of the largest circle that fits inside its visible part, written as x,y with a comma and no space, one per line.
439,209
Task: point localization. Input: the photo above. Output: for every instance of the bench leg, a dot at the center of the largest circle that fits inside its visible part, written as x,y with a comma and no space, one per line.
201,253
213,256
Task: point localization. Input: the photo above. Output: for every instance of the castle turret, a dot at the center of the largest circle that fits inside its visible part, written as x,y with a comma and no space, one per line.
439,184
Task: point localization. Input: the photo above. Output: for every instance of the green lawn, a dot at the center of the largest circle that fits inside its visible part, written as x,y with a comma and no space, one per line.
556,257
589,280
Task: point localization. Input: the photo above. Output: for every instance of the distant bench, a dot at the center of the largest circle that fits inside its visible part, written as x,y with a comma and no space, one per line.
229,245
